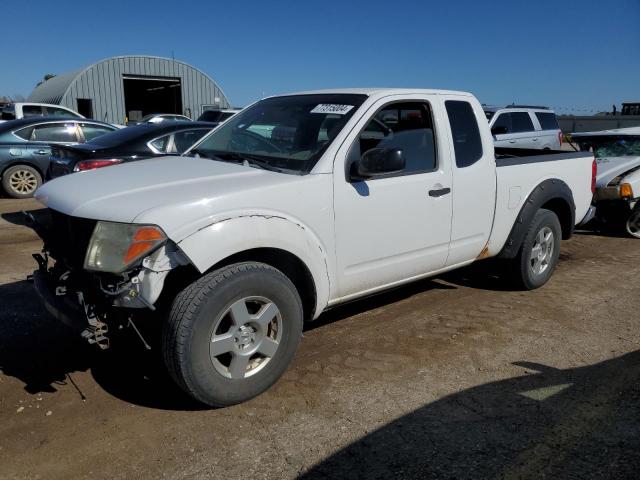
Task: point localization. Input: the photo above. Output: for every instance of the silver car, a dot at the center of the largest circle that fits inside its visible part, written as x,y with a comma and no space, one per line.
517,126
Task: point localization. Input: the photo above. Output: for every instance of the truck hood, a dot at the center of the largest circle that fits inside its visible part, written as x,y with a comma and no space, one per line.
610,167
168,191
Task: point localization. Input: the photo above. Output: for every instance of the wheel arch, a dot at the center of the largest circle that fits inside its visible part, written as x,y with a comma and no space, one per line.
288,263
551,194
276,241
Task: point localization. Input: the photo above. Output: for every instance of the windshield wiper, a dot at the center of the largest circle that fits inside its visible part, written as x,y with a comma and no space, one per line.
252,160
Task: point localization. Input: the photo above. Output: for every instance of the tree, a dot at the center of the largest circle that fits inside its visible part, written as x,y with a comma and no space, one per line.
48,76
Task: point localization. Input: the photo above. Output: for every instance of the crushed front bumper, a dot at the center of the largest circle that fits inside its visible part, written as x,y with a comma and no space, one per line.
60,306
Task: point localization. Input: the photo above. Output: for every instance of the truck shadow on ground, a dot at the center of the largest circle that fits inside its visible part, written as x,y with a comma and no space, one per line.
44,354
574,423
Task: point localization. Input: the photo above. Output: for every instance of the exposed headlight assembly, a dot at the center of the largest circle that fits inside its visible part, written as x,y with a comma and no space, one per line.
116,246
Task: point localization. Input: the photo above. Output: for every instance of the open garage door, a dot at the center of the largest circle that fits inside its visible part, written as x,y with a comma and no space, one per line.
145,95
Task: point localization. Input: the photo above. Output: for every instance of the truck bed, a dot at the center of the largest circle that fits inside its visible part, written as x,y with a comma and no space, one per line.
521,170
517,156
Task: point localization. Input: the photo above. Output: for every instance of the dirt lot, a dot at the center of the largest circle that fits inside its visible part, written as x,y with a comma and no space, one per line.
456,377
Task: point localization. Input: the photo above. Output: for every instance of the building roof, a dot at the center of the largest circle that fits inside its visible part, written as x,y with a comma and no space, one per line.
52,90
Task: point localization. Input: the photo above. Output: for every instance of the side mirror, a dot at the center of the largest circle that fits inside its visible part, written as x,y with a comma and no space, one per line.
499,130
379,161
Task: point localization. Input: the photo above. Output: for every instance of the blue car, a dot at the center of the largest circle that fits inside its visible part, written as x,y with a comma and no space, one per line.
25,148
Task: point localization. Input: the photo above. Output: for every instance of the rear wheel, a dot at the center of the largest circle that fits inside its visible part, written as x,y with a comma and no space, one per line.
539,252
232,334
21,181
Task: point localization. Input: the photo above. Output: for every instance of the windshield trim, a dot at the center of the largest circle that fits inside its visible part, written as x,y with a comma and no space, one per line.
309,163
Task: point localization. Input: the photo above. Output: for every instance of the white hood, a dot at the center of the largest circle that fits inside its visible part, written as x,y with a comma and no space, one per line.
168,191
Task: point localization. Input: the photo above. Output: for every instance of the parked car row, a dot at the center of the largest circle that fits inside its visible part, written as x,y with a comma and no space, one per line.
295,205
36,149
25,148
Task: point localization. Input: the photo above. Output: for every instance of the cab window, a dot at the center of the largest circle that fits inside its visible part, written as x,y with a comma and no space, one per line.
407,126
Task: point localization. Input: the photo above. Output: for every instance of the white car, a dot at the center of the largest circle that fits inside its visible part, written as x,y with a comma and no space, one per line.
341,194
18,110
164,117
528,127
617,195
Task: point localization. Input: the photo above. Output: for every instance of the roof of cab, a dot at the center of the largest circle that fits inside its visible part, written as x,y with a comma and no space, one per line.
378,92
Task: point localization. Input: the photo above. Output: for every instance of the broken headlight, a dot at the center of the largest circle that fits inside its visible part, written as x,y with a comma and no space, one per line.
115,246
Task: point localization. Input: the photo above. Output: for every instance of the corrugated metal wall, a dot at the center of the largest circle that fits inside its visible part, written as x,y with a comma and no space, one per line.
102,83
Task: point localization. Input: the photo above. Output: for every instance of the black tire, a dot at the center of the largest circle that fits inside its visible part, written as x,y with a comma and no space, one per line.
523,270
197,311
21,181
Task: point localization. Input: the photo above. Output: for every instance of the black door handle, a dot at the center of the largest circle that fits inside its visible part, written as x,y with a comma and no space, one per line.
439,192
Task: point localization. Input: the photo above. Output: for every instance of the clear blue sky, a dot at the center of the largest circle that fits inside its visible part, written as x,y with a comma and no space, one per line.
578,55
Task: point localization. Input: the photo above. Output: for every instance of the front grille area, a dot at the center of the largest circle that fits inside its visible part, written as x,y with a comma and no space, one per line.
69,237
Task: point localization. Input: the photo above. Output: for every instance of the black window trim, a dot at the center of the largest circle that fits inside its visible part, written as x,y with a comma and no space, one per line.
349,160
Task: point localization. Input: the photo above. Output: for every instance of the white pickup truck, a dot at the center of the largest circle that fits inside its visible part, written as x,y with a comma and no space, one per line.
299,203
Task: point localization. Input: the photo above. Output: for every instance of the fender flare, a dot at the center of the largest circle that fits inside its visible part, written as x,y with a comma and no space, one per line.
548,190
221,239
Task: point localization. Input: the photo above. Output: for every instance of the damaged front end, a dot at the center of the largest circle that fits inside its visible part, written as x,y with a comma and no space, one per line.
95,276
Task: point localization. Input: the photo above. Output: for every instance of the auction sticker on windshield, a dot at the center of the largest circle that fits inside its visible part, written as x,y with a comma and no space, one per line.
332,108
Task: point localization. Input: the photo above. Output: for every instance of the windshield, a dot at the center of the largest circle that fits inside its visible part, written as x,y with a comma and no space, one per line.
489,114
289,133
604,147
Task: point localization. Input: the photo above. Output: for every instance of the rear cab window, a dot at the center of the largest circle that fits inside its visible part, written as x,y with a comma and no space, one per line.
467,142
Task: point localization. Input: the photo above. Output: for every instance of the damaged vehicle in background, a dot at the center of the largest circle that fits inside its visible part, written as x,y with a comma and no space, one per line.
127,145
617,153
295,205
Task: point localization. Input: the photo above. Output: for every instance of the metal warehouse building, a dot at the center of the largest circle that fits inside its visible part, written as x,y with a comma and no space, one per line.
129,87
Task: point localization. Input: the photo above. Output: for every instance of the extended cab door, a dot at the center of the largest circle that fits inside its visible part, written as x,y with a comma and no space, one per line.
393,228
474,178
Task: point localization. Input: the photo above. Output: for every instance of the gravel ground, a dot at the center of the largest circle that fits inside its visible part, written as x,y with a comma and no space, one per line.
454,377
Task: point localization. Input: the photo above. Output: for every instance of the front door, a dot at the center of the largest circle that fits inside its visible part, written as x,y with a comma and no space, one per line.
392,228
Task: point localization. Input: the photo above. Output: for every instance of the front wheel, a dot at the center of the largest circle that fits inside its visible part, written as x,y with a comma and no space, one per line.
633,223
232,334
539,252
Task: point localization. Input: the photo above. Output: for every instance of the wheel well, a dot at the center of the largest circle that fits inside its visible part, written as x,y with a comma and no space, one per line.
289,264
561,208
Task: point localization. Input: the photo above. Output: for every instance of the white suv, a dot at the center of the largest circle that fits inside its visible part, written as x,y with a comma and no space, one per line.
520,126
